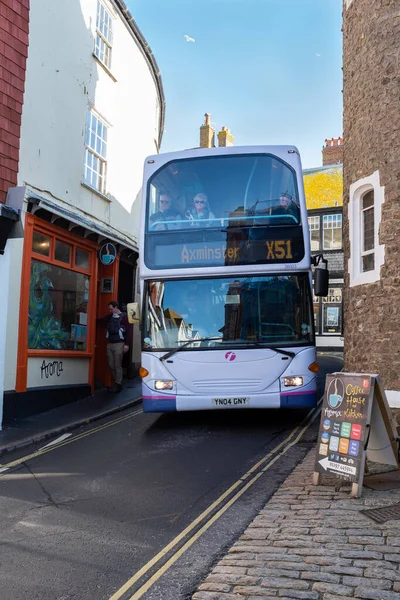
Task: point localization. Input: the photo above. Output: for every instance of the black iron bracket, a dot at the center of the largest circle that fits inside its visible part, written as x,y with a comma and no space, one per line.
317,258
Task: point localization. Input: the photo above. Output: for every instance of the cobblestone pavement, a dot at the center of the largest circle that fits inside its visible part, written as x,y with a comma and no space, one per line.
312,543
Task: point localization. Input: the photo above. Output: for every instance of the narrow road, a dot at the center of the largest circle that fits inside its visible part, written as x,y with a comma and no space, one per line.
162,495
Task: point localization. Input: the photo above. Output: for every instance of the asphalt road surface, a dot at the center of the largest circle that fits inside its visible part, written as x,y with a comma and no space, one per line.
142,505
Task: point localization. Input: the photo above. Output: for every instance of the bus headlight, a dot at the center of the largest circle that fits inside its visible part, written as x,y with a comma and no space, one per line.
290,381
163,384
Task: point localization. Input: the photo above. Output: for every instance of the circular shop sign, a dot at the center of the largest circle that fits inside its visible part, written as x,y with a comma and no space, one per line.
108,253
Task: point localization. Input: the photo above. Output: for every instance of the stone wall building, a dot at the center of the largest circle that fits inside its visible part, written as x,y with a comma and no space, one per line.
371,61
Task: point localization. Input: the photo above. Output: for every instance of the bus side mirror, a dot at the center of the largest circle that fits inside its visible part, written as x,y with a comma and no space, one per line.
321,282
133,312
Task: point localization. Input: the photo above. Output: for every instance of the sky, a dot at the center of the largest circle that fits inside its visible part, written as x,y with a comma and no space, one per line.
269,70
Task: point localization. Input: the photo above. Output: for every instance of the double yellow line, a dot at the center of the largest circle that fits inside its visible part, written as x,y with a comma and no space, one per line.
221,505
19,461
281,449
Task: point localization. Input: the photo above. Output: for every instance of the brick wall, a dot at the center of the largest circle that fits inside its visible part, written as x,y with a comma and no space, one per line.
332,152
14,28
371,62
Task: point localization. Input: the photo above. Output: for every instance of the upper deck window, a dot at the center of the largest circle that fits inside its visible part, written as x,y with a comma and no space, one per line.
219,191
223,210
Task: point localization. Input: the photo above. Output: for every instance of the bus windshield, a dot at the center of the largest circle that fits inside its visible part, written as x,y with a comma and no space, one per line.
270,310
214,191
222,210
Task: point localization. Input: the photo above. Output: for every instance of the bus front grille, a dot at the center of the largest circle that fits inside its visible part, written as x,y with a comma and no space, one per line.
223,384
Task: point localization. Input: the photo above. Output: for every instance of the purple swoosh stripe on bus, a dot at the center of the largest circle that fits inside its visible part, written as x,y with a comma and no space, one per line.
298,393
159,397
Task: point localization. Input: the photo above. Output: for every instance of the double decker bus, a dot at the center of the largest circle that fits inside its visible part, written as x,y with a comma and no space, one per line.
226,281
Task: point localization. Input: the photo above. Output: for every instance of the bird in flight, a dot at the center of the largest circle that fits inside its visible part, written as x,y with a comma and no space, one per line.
188,38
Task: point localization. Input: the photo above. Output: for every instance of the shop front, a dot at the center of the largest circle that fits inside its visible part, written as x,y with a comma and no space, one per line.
66,284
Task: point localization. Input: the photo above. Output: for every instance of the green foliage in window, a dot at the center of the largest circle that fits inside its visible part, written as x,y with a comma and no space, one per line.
44,329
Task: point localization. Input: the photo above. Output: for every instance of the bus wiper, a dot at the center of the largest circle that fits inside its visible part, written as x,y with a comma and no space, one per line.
175,350
285,352
259,344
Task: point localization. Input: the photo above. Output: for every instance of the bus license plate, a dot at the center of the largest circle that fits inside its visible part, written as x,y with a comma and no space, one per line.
230,402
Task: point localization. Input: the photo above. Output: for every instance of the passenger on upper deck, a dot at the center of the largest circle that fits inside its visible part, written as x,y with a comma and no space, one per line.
166,217
287,207
200,211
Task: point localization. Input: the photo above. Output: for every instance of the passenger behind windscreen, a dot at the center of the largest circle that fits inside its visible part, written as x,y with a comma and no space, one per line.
166,217
200,211
287,207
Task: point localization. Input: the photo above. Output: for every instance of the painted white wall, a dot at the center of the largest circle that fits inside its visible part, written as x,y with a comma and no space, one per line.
393,398
63,80
12,283
50,371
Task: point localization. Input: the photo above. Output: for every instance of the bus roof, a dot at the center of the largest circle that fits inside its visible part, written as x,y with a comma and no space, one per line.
278,150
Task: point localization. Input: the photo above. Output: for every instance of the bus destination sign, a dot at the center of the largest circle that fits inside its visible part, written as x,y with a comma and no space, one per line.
231,252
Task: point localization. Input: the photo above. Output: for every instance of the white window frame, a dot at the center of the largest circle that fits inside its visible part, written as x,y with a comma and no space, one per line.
337,221
363,211
312,221
331,297
95,152
356,232
104,35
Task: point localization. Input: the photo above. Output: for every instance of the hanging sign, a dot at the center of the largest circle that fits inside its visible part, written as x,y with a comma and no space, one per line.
108,253
356,423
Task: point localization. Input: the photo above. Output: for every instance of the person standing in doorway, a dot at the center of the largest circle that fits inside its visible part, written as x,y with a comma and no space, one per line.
119,338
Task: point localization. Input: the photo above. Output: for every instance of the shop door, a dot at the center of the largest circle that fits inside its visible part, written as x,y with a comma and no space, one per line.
126,294
107,290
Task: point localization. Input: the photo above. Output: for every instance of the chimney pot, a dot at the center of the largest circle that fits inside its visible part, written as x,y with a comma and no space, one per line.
207,133
332,153
225,138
